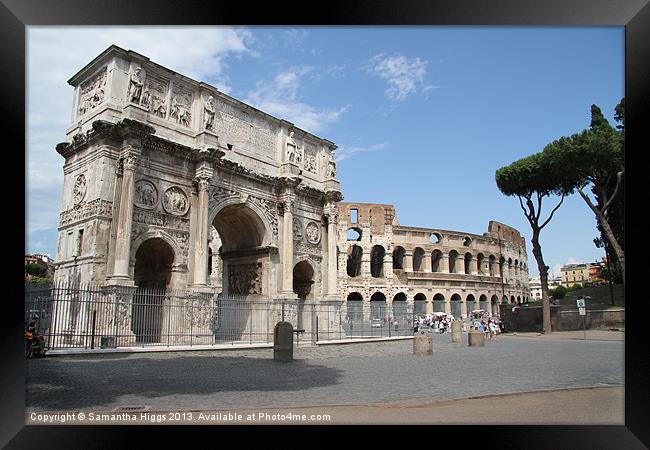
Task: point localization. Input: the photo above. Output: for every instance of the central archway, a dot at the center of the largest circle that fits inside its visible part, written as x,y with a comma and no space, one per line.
244,250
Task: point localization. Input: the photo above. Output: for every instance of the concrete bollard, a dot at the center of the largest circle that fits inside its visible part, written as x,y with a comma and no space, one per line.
456,336
283,342
476,339
422,344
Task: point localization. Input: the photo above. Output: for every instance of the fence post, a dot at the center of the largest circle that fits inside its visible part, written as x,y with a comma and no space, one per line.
92,337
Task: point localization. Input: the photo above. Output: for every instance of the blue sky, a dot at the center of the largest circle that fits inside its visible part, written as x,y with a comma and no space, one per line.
423,116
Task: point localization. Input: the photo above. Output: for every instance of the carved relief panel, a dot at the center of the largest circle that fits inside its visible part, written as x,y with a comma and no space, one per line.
175,201
146,194
79,189
181,105
92,92
245,279
154,96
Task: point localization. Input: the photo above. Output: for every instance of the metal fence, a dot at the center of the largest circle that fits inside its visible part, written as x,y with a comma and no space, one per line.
89,316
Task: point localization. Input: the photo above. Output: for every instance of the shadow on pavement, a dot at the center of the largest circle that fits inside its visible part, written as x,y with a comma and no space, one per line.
64,384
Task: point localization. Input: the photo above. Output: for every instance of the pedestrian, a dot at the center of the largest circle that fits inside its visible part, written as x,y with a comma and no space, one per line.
464,327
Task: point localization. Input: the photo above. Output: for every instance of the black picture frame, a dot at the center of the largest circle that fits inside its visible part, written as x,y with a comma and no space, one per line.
16,15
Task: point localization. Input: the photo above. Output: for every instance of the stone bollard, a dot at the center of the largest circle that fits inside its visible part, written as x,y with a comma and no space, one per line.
456,336
422,344
476,339
283,342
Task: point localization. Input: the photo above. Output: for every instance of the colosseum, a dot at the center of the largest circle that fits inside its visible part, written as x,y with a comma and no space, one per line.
170,183
435,270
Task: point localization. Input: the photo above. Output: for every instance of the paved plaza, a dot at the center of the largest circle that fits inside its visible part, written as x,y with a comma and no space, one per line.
340,376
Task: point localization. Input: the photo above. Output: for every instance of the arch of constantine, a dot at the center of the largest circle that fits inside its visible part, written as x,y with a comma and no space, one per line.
170,183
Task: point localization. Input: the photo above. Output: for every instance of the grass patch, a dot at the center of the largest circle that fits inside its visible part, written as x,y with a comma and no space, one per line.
600,298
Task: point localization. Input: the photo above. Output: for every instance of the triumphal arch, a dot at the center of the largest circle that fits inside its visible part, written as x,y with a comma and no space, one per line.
170,183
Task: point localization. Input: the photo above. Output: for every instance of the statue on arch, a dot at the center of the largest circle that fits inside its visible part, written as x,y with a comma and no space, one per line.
135,86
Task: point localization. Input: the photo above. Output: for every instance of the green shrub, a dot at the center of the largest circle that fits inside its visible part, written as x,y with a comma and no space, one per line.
558,293
36,270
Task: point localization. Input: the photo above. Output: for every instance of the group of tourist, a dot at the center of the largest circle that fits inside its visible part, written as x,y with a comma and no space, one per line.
490,327
441,324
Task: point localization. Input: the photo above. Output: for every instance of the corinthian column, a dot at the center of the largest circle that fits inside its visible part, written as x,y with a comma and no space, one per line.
129,157
331,213
288,201
205,161
203,176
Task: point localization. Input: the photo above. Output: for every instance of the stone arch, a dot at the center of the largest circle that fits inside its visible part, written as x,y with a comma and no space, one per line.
418,259
377,305
480,264
491,261
453,256
436,257
420,303
399,306
467,263
355,253
377,255
398,257
495,305
354,234
438,302
482,302
470,303
455,300
258,222
169,240
435,238
152,274
354,305
303,279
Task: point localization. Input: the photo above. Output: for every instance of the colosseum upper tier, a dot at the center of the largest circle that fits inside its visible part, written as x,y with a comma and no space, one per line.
380,260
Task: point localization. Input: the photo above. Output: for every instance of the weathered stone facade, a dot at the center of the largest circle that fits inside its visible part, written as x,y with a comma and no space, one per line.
437,270
170,183
159,169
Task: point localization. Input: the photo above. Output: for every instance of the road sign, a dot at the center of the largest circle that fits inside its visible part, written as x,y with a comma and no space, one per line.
581,303
583,311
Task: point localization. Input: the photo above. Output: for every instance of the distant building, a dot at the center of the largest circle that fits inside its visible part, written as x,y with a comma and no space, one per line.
535,284
581,273
42,259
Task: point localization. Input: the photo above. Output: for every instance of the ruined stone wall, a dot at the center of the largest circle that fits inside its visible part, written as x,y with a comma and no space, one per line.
434,263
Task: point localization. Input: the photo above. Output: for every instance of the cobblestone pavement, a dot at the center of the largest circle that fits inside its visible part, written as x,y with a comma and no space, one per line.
350,374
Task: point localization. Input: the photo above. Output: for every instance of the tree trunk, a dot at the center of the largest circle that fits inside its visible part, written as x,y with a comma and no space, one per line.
609,234
543,278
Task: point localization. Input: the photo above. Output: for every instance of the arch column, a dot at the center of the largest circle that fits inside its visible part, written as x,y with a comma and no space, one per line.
204,173
331,213
388,265
408,261
444,263
287,203
464,310
426,262
460,264
448,304
495,269
473,266
365,264
129,159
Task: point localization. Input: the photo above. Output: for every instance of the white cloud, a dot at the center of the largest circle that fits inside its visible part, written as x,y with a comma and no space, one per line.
343,153
404,76
55,54
280,97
